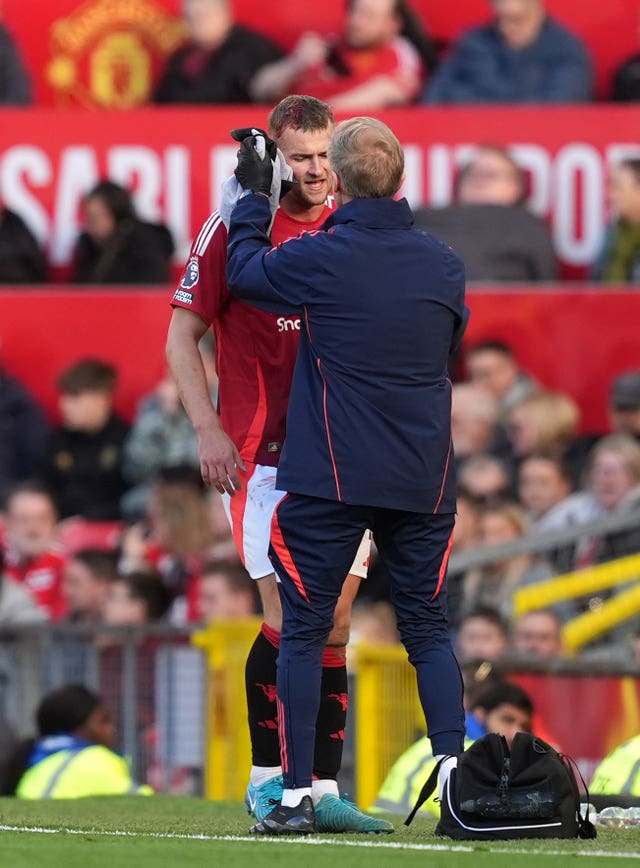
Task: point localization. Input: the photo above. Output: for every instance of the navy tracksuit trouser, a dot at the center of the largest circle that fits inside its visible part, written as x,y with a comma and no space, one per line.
313,544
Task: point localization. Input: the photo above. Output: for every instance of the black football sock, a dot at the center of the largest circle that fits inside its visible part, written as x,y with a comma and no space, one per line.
260,683
332,716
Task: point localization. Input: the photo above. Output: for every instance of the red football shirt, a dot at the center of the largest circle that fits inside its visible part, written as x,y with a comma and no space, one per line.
42,577
256,351
397,59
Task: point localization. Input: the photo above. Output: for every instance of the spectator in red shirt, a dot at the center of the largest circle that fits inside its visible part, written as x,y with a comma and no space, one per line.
31,555
378,61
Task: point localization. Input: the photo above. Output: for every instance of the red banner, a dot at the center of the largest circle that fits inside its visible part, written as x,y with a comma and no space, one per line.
608,709
576,341
176,159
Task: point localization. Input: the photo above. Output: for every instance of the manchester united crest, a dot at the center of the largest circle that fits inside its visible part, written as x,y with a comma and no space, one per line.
106,53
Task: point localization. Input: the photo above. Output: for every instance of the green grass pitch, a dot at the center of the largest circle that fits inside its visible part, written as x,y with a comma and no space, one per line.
165,831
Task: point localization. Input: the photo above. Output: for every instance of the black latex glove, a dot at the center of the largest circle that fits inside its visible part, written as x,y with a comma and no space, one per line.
243,133
253,171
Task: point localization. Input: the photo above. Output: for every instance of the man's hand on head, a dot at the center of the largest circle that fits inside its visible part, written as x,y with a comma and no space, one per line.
242,133
255,169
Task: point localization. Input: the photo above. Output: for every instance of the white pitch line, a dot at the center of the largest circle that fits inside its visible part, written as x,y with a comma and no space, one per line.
311,840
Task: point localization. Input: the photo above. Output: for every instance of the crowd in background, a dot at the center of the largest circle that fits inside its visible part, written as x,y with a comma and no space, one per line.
106,522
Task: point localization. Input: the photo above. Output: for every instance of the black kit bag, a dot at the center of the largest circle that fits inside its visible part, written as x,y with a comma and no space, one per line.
495,793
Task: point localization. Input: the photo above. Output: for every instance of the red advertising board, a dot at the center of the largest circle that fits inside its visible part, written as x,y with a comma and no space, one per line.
575,341
587,715
176,159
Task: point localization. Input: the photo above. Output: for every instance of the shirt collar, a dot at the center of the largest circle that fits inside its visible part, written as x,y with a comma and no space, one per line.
373,213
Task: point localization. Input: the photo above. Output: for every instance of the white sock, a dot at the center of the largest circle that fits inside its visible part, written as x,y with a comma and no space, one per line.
292,798
260,774
321,788
451,762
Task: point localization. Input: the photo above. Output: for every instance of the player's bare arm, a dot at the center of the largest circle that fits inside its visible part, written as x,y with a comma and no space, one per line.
219,457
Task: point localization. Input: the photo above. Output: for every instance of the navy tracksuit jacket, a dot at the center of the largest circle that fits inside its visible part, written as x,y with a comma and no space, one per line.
368,439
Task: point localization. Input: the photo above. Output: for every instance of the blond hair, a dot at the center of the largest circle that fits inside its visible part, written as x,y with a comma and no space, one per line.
367,157
553,416
623,445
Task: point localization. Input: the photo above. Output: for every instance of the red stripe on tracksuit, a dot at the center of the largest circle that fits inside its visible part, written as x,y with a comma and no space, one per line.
282,735
443,567
284,555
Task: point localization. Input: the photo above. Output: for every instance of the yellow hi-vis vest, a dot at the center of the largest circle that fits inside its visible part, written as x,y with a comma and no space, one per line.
619,772
401,788
71,774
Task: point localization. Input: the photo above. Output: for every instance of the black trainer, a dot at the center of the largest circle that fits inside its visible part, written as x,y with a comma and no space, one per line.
300,820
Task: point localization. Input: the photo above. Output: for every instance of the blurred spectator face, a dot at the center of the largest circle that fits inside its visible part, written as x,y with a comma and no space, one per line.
492,370
99,728
538,633
480,639
208,21
218,600
371,23
84,593
522,431
501,525
624,404
541,485
374,624
505,719
624,193
122,609
485,478
99,222
31,523
518,21
611,478
85,411
491,178
474,415
306,153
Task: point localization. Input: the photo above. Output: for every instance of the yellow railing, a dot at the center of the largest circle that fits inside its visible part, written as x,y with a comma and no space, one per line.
388,714
228,749
591,625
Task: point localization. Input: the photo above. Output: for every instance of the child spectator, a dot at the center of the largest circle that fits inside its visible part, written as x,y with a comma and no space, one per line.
32,557
371,65
619,261
220,60
522,56
489,224
87,580
83,466
116,246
